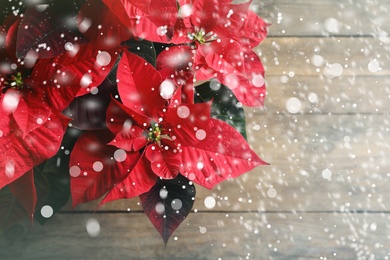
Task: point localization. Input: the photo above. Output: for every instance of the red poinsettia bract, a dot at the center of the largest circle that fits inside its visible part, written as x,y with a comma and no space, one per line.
221,37
101,26
33,93
152,20
161,136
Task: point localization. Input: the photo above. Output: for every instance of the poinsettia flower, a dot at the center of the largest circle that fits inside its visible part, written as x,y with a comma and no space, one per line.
204,21
152,20
33,93
221,36
171,137
174,136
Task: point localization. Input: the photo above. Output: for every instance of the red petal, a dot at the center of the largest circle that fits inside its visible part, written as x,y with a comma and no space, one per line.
147,19
139,84
247,83
161,12
95,167
224,57
21,112
101,26
11,40
120,117
222,154
130,139
24,191
175,58
185,120
249,88
138,181
231,18
76,71
181,30
175,63
242,25
164,163
19,153
252,32
205,14
31,112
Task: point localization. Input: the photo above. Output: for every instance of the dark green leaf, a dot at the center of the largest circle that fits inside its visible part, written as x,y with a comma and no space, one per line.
11,211
168,203
142,48
47,32
225,105
56,171
111,77
89,111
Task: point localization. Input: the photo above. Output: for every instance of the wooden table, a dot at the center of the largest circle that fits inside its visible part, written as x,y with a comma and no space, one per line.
324,130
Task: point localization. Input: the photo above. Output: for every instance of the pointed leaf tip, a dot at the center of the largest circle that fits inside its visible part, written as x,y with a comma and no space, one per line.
168,203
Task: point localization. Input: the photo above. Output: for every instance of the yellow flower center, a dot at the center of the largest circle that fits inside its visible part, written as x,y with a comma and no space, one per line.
13,81
154,134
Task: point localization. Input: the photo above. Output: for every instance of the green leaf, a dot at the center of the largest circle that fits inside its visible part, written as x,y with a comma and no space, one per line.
111,77
168,203
11,210
56,172
225,106
144,49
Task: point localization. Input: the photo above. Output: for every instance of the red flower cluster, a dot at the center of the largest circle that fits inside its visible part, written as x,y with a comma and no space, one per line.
141,122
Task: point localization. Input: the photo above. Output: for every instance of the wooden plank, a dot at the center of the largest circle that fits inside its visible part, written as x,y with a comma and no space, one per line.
300,149
208,236
325,17
317,94
324,57
352,147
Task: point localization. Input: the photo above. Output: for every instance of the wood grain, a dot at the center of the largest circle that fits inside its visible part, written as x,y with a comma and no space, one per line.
233,235
315,56
325,194
325,17
320,95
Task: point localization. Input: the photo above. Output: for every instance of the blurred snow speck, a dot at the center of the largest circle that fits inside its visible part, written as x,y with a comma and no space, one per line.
327,174
333,70
10,169
120,155
167,88
74,171
293,105
317,60
93,227
374,66
176,204
332,25
103,58
271,193
209,202
47,211
183,111
202,230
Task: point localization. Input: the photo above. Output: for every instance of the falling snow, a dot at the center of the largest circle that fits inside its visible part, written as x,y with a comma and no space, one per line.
324,130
